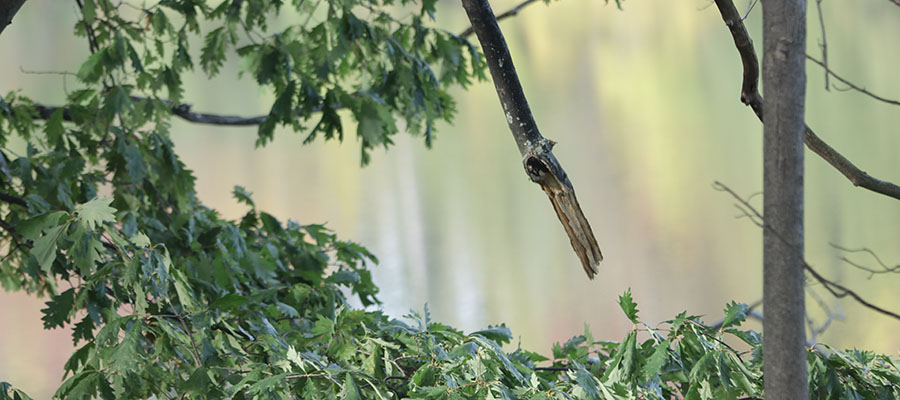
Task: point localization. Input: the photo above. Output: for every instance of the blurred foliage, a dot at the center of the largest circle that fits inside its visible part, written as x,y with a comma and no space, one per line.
169,299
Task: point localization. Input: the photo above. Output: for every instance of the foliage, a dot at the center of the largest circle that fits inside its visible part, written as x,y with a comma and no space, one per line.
168,299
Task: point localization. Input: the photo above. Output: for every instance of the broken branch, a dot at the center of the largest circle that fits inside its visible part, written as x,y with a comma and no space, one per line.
537,151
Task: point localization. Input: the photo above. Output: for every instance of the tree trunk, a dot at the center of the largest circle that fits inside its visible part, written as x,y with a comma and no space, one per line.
784,84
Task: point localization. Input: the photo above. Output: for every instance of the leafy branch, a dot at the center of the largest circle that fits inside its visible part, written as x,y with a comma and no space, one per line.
185,111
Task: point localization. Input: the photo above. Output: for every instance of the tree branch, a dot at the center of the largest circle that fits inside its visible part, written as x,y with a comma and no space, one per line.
181,110
537,151
751,97
8,10
184,110
509,13
824,44
88,30
831,315
13,200
828,71
885,269
836,289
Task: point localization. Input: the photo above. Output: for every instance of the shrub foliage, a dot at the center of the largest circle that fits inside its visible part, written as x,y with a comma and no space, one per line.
168,299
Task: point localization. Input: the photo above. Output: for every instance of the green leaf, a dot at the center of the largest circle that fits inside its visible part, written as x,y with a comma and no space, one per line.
92,69
198,382
629,307
375,121
182,288
58,309
213,54
702,368
44,249
140,239
735,314
54,128
586,382
127,355
350,390
89,11
229,301
243,196
424,376
117,101
622,367
657,359
134,163
6,389
500,334
267,384
95,212
724,371
36,204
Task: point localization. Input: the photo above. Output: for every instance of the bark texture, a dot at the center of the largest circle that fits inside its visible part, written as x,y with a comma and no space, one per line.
537,151
784,83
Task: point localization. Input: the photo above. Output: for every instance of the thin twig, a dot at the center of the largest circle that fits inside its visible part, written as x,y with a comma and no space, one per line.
749,8
885,269
836,289
92,40
552,368
857,88
14,234
299,376
509,13
314,375
814,331
34,72
190,336
824,44
751,97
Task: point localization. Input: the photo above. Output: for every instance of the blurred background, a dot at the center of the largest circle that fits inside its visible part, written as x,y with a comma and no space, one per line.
645,106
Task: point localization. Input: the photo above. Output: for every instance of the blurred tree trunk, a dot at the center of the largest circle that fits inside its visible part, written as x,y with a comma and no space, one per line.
784,85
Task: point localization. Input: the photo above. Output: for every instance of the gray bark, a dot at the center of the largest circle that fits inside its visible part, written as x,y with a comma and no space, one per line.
784,84
8,9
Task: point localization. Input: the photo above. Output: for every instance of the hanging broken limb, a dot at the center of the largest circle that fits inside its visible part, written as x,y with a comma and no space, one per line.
537,151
